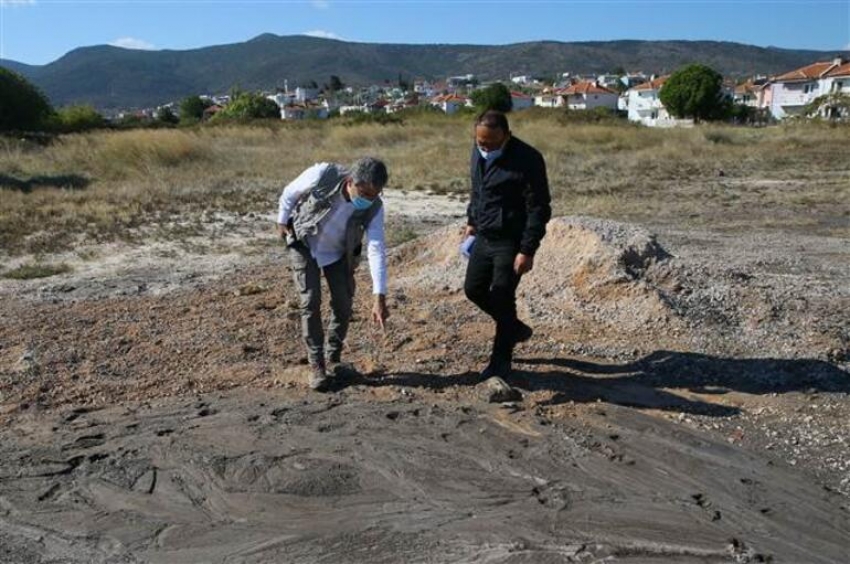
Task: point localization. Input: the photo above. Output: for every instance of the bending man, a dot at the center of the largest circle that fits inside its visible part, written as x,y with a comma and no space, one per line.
323,215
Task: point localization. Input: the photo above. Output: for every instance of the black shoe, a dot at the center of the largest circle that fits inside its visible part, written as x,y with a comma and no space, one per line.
500,368
523,332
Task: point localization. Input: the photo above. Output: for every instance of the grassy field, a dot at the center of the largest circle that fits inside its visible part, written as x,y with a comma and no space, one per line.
108,186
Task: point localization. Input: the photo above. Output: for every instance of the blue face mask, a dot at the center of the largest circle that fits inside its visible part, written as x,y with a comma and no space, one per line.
489,155
361,203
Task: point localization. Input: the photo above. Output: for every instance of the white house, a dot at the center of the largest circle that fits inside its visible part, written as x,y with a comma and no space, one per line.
282,98
794,90
462,80
549,98
751,93
521,101
450,103
838,79
589,95
522,79
645,106
423,88
609,81
305,94
303,110
631,80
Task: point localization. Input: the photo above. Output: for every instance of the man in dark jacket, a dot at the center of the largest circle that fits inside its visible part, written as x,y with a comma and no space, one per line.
508,211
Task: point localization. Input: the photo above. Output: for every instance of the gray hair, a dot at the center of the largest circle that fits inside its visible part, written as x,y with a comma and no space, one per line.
369,171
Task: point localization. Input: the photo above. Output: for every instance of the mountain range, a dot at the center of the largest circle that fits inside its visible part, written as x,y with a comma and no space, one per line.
111,77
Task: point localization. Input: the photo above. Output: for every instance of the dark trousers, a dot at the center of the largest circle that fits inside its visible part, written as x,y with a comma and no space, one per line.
491,285
307,276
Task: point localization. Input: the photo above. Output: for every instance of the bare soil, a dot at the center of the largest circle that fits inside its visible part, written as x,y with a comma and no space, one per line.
684,399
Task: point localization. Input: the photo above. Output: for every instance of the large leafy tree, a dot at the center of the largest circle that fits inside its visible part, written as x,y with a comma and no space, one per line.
192,108
22,105
249,105
694,92
493,97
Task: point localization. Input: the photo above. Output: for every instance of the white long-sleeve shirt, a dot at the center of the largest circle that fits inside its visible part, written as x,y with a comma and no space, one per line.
328,245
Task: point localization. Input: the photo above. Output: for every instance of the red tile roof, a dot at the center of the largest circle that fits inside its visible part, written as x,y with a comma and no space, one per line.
653,84
809,72
586,88
843,70
449,98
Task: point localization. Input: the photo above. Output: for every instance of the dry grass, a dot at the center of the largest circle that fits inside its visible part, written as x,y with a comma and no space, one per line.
129,184
36,270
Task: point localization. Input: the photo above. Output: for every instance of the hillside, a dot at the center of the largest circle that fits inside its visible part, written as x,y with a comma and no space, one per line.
111,77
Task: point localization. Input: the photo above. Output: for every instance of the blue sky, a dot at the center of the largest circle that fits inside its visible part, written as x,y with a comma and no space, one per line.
40,31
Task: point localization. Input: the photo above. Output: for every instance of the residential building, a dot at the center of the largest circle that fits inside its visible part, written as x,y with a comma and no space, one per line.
589,95
549,98
303,94
303,110
609,81
450,103
645,105
793,91
521,101
630,80
751,93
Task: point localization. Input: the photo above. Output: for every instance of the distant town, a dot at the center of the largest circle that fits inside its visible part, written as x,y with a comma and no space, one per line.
634,95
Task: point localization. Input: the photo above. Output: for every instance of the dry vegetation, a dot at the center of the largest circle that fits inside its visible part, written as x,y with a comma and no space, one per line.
130,185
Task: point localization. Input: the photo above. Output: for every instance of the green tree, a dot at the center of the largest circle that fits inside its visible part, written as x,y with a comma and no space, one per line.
192,108
22,105
336,84
73,119
165,115
249,105
493,97
694,92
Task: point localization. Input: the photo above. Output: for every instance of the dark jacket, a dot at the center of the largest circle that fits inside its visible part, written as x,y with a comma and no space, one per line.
510,197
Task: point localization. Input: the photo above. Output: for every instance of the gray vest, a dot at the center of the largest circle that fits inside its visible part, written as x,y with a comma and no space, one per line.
312,209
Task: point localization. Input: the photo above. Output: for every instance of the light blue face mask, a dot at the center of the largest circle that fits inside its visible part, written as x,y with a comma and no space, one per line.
361,203
489,155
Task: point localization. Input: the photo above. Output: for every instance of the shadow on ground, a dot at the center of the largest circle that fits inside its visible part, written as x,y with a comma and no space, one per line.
64,181
643,383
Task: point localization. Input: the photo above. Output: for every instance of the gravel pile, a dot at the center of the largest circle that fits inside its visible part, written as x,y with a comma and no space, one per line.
617,278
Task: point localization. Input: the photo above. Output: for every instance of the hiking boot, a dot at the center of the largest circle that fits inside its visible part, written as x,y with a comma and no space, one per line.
318,379
523,332
497,367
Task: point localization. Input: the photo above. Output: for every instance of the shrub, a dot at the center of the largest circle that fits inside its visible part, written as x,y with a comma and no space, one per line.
36,270
75,119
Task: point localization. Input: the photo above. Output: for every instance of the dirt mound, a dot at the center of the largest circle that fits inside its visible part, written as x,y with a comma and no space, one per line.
585,269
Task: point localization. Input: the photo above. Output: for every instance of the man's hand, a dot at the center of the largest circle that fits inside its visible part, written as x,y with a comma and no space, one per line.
523,263
282,230
470,230
380,312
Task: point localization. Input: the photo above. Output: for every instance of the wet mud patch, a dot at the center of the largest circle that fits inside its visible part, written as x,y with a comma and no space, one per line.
299,475
438,481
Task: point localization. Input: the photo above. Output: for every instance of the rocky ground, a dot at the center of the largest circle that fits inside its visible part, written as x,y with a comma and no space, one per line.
683,399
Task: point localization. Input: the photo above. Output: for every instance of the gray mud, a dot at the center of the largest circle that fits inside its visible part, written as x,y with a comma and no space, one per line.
247,477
